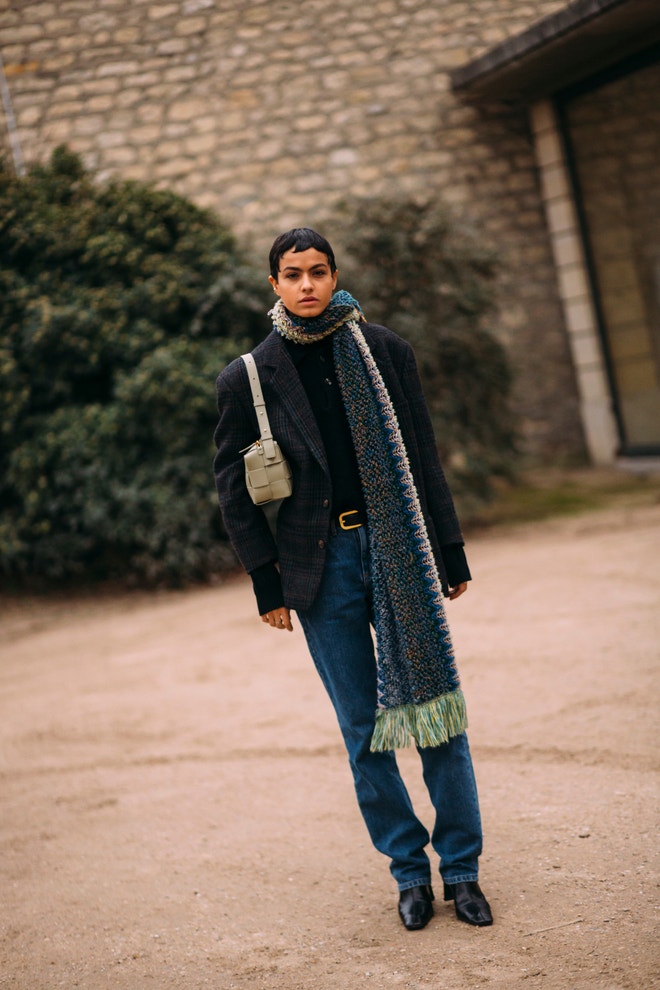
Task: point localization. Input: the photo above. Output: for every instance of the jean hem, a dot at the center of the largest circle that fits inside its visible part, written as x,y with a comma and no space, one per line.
409,884
463,878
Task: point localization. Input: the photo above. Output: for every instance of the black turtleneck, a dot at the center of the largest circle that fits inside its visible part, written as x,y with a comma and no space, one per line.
315,366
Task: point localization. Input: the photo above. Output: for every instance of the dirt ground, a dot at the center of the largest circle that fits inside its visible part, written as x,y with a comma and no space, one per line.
177,812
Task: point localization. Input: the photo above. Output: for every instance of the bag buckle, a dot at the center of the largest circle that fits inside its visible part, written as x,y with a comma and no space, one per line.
342,517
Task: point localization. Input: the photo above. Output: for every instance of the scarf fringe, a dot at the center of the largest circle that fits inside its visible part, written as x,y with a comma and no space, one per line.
430,724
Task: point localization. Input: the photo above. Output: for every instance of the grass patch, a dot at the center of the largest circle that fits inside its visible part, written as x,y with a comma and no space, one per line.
543,495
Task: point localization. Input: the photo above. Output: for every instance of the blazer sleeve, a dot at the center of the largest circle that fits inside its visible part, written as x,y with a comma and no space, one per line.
245,523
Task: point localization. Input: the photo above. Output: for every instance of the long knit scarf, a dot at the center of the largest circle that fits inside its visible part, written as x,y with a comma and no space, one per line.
419,693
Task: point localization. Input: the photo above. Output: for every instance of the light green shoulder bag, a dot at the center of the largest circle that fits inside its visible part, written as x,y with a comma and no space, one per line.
267,473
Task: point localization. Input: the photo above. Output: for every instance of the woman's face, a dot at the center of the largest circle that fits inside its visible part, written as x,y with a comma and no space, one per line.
304,283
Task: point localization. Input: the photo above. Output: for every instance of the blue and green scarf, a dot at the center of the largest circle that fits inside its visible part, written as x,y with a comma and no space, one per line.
419,692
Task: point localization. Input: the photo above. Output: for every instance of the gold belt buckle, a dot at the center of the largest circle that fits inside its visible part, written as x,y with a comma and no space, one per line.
342,516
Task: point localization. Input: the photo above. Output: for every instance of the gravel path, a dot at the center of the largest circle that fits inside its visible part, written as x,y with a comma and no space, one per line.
176,810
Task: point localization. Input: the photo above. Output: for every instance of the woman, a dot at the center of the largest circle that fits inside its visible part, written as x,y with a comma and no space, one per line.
369,538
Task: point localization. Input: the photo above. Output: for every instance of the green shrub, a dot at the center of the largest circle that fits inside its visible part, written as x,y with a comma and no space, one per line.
119,304
427,275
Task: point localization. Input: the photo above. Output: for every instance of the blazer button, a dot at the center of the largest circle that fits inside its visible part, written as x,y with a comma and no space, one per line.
322,544
326,503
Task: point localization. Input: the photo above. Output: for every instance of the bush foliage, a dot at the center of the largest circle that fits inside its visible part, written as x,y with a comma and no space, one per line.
427,275
119,304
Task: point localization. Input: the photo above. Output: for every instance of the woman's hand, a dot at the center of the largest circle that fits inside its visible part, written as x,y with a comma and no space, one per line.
279,618
458,590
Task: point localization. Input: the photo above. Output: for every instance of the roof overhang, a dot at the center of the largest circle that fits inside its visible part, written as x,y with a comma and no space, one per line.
586,37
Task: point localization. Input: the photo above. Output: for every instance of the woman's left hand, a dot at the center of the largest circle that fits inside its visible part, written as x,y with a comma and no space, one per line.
279,618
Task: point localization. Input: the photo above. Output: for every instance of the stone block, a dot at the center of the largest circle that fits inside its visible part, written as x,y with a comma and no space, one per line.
14,58
94,86
549,149
29,116
99,20
573,281
58,27
586,350
41,11
111,139
128,98
172,167
177,130
186,109
311,123
458,137
139,171
143,79
73,42
168,150
554,181
202,125
158,11
117,69
343,156
120,156
66,108
456,194
199,143
519,181
593,384
57,131
579,314
561,215
181,73
208,200
126,35
172,46
149,134
193,6
55,63
150,112
542,117
190,25
567,250
600,430
26,32
245,98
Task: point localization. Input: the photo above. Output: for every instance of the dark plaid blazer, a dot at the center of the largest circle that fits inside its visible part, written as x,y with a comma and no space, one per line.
303,519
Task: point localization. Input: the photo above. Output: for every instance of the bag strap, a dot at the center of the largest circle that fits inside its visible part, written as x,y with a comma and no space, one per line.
266,436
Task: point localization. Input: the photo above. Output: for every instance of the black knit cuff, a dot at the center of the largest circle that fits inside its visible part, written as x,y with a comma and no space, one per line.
267,586
456,565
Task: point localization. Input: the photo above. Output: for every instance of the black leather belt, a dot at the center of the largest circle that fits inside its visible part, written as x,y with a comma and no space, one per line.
351,519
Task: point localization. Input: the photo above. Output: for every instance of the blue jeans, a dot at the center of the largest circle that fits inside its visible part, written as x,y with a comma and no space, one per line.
338,632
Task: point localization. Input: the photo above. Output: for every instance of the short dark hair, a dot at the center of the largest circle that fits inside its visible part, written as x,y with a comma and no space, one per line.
299,239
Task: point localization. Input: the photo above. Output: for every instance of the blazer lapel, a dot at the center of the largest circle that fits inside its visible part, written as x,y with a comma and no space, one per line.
286,382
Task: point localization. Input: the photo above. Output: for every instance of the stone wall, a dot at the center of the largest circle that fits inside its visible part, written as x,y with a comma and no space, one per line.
269,112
